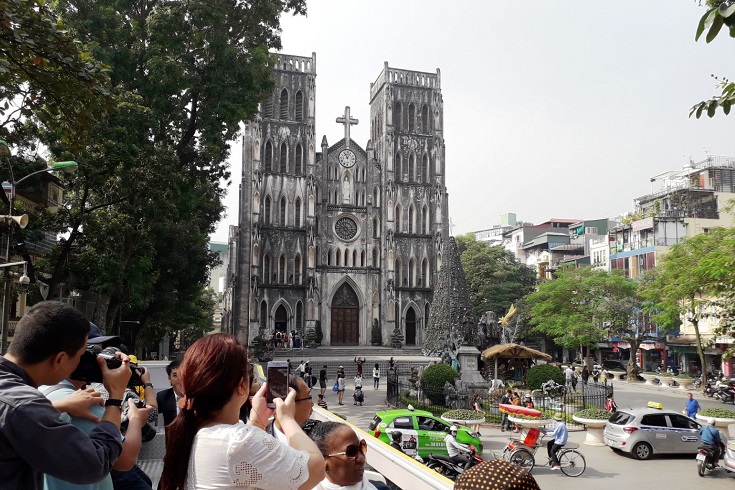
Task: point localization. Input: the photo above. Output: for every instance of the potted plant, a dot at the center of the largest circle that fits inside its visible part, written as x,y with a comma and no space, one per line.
617,374
595,420
723,417
463,417
528,421
375,334
666,378
318,331
684,380
396,338
649,376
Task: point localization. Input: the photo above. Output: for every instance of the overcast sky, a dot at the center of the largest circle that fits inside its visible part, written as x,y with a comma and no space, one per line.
553,109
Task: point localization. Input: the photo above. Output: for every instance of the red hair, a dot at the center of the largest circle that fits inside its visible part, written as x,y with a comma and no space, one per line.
213,368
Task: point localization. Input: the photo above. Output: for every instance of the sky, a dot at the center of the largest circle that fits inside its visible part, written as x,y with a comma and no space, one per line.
552,109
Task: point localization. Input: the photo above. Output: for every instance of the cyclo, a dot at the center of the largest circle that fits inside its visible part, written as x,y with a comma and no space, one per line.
522,452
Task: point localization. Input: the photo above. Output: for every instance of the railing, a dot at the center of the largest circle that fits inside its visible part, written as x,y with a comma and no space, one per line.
401,393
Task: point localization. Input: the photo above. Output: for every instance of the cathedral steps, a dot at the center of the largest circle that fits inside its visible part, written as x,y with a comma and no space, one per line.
348,352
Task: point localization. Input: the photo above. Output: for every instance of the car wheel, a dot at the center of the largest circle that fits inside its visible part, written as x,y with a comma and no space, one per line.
642,451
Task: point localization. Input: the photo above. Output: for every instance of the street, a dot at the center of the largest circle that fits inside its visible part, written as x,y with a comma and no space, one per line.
602,464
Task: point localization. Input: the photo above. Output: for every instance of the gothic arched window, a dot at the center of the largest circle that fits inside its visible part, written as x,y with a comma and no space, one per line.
283,211
299,106
267,210
284,104
297,213
411,117
267,269
263,315
411,166
284,158
268,108
268,167
398,116
298,160
425,119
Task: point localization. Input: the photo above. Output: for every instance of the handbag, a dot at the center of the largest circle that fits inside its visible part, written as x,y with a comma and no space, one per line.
335,388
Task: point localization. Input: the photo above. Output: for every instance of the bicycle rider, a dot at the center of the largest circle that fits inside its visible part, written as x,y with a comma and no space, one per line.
457,451
560,436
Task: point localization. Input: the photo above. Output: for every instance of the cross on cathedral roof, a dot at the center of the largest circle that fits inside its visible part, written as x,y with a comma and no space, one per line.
347,121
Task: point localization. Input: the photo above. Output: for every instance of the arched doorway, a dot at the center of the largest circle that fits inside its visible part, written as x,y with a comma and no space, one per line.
345,317
281,319
410,326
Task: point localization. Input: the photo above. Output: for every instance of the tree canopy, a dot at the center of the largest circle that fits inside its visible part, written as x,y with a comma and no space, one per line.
495,279
694,275
581,307
720,14
139,212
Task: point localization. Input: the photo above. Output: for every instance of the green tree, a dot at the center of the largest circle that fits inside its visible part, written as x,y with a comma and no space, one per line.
721,13
691,277
495,279
47,80
581,307
149,192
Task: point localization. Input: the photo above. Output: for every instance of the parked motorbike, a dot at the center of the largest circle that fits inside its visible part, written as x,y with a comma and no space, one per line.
705,460
448,467
709,390
726,394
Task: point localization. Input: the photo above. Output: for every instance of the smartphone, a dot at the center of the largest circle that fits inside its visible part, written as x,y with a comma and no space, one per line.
277,380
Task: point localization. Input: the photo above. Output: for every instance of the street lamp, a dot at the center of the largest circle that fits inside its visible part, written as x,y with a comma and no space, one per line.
22,222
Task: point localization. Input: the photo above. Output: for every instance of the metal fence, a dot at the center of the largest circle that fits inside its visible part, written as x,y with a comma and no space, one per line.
401,393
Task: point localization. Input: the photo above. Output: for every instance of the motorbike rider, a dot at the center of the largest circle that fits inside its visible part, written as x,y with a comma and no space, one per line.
710,437
457,451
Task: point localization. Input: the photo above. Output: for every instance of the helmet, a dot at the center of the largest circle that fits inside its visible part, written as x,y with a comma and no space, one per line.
453,428
528,395
397,435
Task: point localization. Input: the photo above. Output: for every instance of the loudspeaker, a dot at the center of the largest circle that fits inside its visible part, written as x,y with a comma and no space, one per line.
21,221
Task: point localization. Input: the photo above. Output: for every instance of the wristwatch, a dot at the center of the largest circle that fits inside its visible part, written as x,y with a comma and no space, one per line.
113,402
148,385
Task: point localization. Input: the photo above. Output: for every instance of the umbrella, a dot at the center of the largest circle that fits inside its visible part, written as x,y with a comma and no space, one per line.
511,351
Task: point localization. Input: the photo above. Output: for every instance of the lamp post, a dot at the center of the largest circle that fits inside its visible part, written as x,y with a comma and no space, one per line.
22,221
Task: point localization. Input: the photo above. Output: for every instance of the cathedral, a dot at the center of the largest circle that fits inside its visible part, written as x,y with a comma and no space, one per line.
339,237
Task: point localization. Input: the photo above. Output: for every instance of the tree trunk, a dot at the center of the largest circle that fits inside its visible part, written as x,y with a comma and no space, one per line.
632,368
700,350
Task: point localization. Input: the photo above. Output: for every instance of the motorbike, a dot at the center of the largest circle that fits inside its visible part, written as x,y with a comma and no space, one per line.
725,394
448,467
709,390
705,460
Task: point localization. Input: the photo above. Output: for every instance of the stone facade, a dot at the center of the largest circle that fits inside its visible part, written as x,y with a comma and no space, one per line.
340,237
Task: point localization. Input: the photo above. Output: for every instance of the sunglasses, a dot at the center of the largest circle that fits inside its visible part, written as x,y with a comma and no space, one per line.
352,450
310,398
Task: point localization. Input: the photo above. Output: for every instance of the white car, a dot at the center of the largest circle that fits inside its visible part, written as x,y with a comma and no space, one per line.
644,432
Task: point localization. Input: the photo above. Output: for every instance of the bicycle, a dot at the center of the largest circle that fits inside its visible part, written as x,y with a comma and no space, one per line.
522,453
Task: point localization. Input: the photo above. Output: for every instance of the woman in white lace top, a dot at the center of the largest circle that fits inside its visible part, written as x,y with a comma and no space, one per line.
208,447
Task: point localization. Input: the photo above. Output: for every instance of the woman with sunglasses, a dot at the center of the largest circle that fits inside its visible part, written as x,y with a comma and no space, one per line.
344,458
208,447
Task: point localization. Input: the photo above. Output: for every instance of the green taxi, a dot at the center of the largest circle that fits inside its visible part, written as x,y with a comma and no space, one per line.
422,432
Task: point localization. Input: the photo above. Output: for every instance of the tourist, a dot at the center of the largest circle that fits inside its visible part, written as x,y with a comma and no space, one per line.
505,400
321,403
516,400
208,447
527,401
376,377
341,383
360,361
476,406
323,380
585,375
344,458
610,404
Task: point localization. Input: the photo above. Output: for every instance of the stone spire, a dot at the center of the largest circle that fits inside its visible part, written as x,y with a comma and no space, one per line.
452,321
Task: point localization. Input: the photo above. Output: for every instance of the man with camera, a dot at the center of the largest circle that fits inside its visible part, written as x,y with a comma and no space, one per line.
48,344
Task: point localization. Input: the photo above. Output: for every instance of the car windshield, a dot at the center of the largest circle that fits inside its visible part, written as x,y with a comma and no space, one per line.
621,418
374,423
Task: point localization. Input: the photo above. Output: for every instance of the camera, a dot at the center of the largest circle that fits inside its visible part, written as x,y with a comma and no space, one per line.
89,371
148,432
